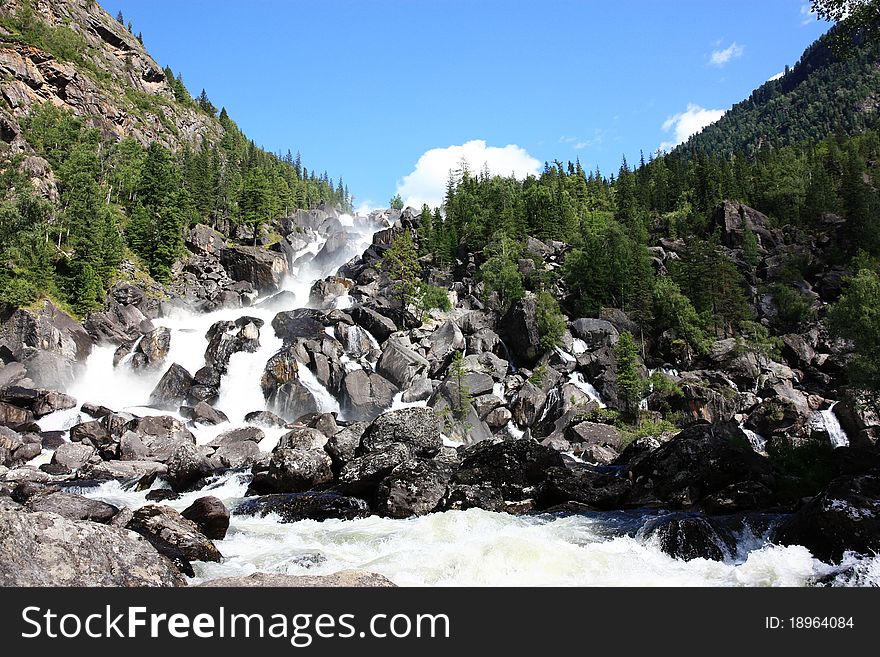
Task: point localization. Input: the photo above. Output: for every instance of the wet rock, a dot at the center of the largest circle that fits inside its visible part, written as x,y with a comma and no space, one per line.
595,489
302,438
414,488
324,293
159,495
293,507
210,515
173,535
292,325
186,465
513,467
160,435
342,446
203,413
691,536
241,434
461,497
363,474
378,325
265,419
596,333
417,428
172,390
122,470
527,404
344,578
700,461
238,455
294,471
845,516
45,549
226,338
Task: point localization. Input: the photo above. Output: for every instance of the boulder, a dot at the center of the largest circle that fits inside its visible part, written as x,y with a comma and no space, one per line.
377,324
263,269
366,394
293,507
400,364
688,536
46,549
362,475
344,579
73,456
173,389
160,435
597,490
414,488
595,333
292,325
324,293
701,462
417,428
519,328
513,467
13,416
204,239
593,433
186,466
210,515
844,516
173,535
294,471
203,413
226,338
238,455
72,507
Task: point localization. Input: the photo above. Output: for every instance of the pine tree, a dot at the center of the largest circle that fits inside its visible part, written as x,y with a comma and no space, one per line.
629,383
400,263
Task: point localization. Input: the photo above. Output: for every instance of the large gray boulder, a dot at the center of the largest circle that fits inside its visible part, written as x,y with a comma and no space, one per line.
596,333
294,471
173,388
46,549
519,328
226,338
263,269
173,535
417,428
366,394
400,364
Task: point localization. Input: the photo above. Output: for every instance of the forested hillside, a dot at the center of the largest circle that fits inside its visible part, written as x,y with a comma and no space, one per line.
123,159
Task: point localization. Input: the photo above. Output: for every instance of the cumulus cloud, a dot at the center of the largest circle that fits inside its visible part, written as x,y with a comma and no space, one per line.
685,124
777,76
427,182
721,57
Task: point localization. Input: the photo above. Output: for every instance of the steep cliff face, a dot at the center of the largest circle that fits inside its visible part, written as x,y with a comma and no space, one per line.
73,54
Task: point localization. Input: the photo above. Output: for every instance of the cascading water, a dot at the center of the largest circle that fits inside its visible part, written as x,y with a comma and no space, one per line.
826,421
471,547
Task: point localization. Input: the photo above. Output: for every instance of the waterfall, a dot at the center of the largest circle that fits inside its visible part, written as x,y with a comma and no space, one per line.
577,379
826,421
757,441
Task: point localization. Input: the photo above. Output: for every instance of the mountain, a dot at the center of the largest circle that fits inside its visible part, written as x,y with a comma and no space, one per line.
74,55
123,161
822,95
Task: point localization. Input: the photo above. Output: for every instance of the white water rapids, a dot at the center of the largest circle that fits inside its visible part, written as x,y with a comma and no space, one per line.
472,548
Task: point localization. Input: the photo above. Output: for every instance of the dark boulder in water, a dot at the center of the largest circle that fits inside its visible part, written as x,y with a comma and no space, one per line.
414,488
690,536
845,516
514,468
210,515
293,507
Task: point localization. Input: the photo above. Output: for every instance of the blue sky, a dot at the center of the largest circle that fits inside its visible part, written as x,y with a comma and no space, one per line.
390,94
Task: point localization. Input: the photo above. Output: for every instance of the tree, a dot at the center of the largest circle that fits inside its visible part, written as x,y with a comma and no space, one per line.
856,317
629,383
401,263
396,203
500,273
854,17
551,321
120,18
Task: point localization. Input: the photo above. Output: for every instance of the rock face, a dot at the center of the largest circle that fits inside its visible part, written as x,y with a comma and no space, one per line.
844,516
417,428
45,549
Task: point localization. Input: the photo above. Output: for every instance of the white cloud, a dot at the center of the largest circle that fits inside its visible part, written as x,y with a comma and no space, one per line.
685,124
427,182
721,57
807,14
777,76
366,206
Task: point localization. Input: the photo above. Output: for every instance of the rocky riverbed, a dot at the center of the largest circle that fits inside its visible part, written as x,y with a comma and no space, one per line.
274,411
